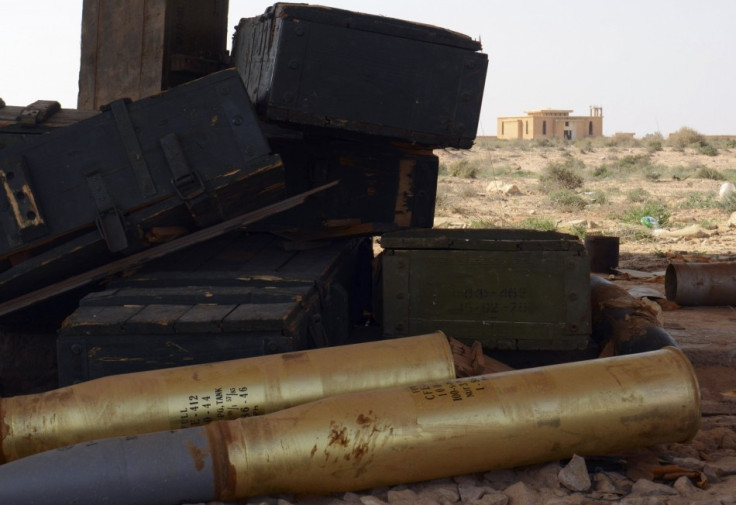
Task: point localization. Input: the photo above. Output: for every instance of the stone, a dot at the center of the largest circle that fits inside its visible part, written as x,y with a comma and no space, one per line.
731,223
501,187
644,487
574,476
441,490
726,190
500,479
685,487
469,492
371,500
401,495
490,498
725,466
521,494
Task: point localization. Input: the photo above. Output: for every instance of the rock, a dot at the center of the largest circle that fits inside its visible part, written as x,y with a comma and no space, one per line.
371,500
500,479
644,487
501,187
440,490
731,223
542,476
402,495
490,498
521,494
727,189
574,476
689,463
725,466
469,492
685,487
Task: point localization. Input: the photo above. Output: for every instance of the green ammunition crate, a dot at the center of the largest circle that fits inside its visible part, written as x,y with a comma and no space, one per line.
508,289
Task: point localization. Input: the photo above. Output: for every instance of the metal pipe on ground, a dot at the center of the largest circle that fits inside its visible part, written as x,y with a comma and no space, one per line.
194,395
623,324
382,437
701,283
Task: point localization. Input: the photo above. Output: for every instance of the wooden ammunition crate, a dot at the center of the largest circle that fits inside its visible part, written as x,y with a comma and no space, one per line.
135,49
115,183
509,289
382,187
318,66
234,297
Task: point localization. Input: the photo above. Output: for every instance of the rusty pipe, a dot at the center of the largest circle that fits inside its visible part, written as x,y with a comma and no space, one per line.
193,395
701,283
622,324
382,437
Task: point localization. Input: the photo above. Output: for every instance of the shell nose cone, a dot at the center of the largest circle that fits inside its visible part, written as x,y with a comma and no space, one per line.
153,469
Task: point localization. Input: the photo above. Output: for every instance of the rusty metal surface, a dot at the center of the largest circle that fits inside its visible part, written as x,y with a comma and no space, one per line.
381,437
701,283
503,420
194,395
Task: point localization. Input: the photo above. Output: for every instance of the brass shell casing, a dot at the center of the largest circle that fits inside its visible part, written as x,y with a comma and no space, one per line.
443,428
194,395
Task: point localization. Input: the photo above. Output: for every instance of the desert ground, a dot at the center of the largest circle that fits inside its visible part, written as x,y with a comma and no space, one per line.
598,186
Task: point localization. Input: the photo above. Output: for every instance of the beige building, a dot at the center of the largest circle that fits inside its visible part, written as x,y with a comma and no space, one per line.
552,123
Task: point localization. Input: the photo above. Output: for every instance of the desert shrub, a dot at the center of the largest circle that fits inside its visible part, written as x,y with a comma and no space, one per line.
537,223
728,203
566,199
686,137
563,175
463,168
698,201
633,162
601,171
579,230
599,196
653,142
638,195
708,150
657,210
709,173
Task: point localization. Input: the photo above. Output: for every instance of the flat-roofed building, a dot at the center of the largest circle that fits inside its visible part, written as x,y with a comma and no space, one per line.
551,123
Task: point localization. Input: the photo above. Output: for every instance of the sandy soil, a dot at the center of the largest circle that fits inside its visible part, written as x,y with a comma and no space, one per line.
696,225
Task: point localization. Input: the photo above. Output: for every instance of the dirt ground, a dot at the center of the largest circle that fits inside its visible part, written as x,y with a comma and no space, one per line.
696,225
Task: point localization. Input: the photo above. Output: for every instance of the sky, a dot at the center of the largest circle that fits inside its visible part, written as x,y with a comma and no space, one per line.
652,65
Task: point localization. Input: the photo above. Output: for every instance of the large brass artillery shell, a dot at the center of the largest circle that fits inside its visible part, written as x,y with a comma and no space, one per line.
195,395
374,438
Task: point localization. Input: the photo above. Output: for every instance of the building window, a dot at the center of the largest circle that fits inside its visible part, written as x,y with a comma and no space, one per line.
567,123
527,127
590,128
502,125
544,127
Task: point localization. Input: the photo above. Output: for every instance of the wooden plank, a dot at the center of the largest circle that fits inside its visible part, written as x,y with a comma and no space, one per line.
203,319
142,257
155,318
257,317
101,320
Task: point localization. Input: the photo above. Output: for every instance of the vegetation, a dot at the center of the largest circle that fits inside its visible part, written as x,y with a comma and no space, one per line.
566,200
657,210
537,223
565,175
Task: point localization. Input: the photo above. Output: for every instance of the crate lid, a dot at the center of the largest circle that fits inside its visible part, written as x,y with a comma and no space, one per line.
371,23
482,239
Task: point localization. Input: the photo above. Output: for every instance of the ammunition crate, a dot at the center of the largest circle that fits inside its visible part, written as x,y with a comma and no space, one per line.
234,297
318,66
508,289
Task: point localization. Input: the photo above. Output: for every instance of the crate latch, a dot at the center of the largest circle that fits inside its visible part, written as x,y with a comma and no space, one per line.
24,216
109,221
38,112
188,184
133,149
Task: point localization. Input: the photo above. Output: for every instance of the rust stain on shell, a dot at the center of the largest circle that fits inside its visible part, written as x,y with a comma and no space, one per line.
198,456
